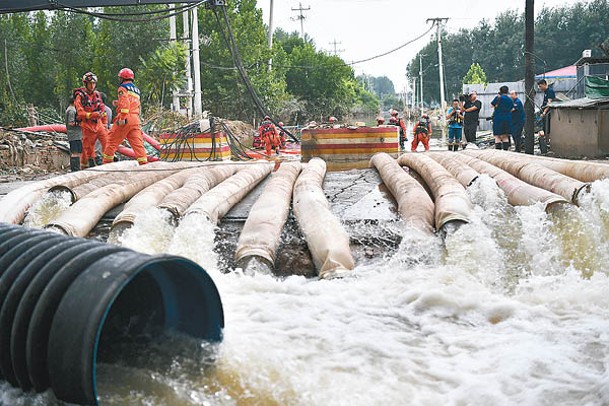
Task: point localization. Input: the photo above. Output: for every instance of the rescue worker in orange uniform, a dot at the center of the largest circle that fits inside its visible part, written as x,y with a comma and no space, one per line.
269,135
282,137
400,123
380,121
127,120
422,133
90,112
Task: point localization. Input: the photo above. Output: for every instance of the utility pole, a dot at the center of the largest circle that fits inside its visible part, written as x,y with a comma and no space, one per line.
196,63
336,50
271,34
421,79
186,23
439,22
301,17
529,76
175,105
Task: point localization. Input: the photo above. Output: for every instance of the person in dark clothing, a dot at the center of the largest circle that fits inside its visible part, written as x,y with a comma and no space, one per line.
518,118
472,107
548,97
502,118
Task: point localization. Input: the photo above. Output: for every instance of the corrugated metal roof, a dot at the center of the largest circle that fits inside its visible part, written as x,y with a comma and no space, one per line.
582,103
565,72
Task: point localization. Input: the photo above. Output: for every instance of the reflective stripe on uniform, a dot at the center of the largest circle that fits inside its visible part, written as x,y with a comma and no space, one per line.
107,156
125,111
142,159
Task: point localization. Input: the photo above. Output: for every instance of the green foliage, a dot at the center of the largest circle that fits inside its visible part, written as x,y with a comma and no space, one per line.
163,71
475,75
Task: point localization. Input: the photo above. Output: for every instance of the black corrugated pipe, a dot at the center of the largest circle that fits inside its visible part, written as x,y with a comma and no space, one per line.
63,300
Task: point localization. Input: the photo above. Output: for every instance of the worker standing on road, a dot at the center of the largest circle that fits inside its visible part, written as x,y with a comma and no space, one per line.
422,133
380,121
454,116
90,111
74,136
127,120
268,135
502,118
400,123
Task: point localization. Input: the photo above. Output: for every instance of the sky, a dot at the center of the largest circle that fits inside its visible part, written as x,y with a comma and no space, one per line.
364,28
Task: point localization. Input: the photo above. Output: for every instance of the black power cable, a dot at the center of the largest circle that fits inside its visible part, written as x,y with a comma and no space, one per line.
236,56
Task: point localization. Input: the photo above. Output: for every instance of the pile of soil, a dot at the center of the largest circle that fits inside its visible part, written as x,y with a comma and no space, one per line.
244,132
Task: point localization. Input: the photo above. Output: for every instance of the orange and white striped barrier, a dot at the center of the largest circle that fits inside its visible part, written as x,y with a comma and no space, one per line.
197,147
348,148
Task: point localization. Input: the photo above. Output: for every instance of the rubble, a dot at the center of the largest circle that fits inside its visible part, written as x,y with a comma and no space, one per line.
26,156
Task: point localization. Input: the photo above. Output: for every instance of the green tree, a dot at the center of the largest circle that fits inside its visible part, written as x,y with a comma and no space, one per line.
475,75
162,72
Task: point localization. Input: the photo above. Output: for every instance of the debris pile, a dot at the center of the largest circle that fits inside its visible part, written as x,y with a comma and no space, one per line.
27,155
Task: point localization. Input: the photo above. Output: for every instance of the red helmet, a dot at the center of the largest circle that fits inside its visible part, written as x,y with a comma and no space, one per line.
126,74
332,119
281,124
394,112
266,118
393,120
89,77
380,120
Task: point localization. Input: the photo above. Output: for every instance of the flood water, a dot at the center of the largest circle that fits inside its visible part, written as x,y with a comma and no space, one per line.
512,308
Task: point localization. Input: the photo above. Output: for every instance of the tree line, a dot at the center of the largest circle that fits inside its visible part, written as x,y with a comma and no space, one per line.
45,54
561,34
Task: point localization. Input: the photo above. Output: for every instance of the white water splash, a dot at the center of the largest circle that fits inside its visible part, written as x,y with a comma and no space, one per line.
194,239
47,209
151,232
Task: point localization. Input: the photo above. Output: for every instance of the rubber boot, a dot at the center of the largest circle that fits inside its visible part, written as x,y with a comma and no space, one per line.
498,145
91,162
450,147
74,164
506,145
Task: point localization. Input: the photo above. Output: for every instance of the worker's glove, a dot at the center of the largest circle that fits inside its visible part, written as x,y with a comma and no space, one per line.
93,116
121,122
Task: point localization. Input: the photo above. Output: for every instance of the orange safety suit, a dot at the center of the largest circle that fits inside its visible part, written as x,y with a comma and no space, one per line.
126,124
422,133
269,136
90,112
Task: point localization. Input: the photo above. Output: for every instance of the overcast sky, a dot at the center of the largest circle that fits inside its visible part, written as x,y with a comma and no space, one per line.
366,28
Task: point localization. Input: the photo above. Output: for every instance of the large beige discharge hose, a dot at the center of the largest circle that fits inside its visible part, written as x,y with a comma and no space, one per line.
154,195
83,215
465,174
534,173
178,201
15,204
451,201
519,193
580,170
219,200
326,238
415,207
261,233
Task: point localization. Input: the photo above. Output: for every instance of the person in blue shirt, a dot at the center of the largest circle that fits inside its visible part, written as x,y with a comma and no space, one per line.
454,115
548,97
502,118
517,121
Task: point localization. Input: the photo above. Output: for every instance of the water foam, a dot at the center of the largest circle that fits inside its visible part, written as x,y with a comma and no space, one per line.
150,234
47,209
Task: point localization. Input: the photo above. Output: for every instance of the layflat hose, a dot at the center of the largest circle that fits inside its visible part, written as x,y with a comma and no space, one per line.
581,170
534,173
219,200
261,233
178,201
80,218
16,203
518,192
326,238
64,300
153,195
415,207
465,174
452,203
